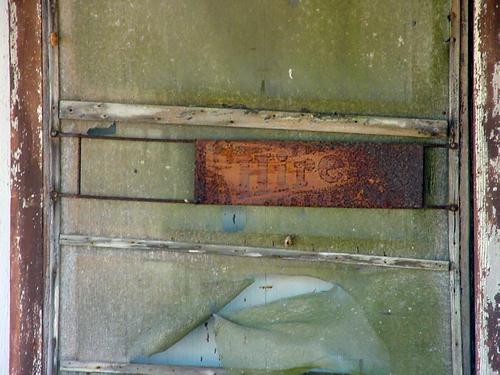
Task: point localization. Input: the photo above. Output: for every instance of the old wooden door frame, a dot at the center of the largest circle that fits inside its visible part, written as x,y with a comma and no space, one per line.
486,180
27,230
31,208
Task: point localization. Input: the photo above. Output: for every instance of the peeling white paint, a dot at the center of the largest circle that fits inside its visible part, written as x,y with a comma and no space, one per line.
4,188
487,169
496,89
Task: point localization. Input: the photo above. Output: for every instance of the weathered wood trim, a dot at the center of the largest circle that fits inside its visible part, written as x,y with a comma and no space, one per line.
453,187
137,369
465,187
26,248
486,182
5,171
52,182
243,118
253,252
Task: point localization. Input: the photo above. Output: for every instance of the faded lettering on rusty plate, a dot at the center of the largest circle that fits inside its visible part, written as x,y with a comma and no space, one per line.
315,174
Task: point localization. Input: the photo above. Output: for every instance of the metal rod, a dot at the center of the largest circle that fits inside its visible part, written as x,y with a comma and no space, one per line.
79,166
56,195
254,252
57,134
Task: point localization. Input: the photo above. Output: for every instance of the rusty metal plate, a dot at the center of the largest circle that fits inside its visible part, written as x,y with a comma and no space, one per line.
313,174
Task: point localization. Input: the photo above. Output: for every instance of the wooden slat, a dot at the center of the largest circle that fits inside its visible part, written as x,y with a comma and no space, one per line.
244,118
310,174
453,187
145,369
254,252
52,169
136,369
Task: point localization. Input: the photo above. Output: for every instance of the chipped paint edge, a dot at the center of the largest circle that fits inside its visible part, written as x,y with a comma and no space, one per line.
253,252
26,184
253,119
486,179
4,188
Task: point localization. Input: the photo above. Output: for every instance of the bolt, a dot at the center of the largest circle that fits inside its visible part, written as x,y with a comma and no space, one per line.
54,195
54,133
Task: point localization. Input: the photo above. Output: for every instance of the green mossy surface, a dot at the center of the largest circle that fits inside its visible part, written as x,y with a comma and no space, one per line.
385,57
418,233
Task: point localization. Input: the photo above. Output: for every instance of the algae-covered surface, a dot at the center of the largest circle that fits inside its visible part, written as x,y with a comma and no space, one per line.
393,232
386,57
111,297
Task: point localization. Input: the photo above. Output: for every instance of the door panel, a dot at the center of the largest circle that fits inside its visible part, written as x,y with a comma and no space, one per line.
151,276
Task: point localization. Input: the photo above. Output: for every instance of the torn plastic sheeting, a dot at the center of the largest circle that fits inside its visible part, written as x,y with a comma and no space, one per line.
325,330
160,337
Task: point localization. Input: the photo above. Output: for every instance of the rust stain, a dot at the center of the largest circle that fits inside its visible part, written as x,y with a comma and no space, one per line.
27,251
313,174
54,39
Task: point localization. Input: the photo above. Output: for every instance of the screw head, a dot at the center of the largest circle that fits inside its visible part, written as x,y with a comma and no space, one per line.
288,241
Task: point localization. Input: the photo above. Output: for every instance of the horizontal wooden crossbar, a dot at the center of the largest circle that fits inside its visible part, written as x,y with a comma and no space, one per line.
253,252
246,118
136,369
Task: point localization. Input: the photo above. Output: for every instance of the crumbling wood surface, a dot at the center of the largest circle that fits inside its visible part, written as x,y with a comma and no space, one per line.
27,251
136,369
254,252
486,179
246,118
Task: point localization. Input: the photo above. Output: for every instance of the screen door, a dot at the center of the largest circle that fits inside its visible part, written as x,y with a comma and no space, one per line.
254,186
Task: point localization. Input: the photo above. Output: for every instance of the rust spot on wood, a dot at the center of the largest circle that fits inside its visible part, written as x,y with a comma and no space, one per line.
54,39
315,174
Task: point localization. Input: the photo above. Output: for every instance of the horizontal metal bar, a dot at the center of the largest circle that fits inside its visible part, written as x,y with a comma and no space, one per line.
254,252
245,118
57,134
136,369
55,195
